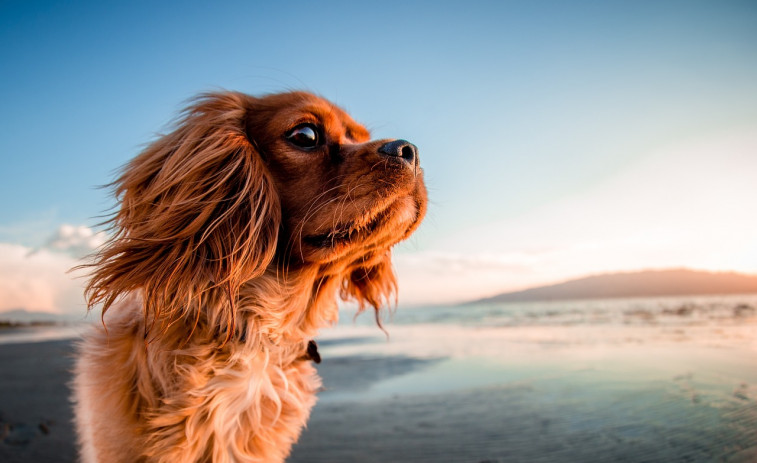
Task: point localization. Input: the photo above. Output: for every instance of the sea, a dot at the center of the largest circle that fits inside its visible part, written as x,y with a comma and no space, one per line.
643,336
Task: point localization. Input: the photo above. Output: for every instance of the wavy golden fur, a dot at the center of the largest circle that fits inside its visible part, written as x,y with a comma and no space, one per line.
235,234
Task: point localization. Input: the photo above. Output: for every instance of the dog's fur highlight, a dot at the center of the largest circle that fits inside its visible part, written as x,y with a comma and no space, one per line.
227,254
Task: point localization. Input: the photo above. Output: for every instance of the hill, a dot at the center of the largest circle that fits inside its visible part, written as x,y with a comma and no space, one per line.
650,283
23,316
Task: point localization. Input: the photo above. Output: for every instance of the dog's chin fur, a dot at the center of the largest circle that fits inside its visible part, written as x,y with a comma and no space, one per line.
228,253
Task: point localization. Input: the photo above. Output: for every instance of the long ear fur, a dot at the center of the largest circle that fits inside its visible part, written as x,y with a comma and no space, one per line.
199,216
373,285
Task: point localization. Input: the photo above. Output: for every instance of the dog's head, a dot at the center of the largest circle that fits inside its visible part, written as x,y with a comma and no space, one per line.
245,186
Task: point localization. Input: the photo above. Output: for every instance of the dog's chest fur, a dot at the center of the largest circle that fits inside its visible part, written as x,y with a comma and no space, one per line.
246,402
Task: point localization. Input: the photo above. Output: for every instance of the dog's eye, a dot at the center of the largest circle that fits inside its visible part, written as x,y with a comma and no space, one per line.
304,136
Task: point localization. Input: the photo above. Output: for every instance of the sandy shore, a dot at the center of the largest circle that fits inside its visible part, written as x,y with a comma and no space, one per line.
35,412
396,408
427,413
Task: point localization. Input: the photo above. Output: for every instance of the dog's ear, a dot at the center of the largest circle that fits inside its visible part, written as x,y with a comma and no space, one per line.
198,216
372,285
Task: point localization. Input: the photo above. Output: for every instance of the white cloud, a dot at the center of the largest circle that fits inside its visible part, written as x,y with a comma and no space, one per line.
42,278
39,281
77,241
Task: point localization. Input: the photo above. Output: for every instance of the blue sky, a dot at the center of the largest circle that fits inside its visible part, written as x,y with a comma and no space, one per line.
529,116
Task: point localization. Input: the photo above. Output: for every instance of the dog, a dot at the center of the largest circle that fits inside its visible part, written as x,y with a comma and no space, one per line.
234,238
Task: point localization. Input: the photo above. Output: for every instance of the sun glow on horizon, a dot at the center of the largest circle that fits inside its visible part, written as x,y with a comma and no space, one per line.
682,206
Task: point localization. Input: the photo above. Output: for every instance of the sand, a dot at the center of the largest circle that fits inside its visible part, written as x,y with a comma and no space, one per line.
398,408
35,412
576,415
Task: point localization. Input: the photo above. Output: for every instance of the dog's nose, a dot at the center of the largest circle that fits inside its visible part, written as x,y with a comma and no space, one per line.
401,149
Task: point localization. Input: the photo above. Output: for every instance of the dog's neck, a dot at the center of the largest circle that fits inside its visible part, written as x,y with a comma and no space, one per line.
268,315
277,310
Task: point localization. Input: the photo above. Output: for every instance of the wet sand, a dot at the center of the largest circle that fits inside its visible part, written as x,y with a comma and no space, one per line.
473,409
571,418
438,408
516,424
35,412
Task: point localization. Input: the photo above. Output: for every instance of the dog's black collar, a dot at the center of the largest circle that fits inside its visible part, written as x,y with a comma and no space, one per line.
312,352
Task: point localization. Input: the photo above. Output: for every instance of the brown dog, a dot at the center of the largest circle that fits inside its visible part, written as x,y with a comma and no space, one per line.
235,234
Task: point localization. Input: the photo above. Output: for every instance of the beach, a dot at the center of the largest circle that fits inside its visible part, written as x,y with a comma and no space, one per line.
636,381
35,412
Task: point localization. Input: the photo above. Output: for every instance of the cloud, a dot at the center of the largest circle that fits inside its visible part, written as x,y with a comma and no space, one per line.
77,241
438,277
42,278
39,280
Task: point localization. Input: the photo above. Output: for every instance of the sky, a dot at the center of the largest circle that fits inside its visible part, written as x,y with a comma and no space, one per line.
558,139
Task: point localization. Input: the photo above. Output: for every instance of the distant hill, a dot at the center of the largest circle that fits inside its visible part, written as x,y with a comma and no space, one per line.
26,316
651,283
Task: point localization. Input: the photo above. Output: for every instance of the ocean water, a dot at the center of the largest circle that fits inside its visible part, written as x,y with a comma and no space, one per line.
508,331
663,379
643,334
674,310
